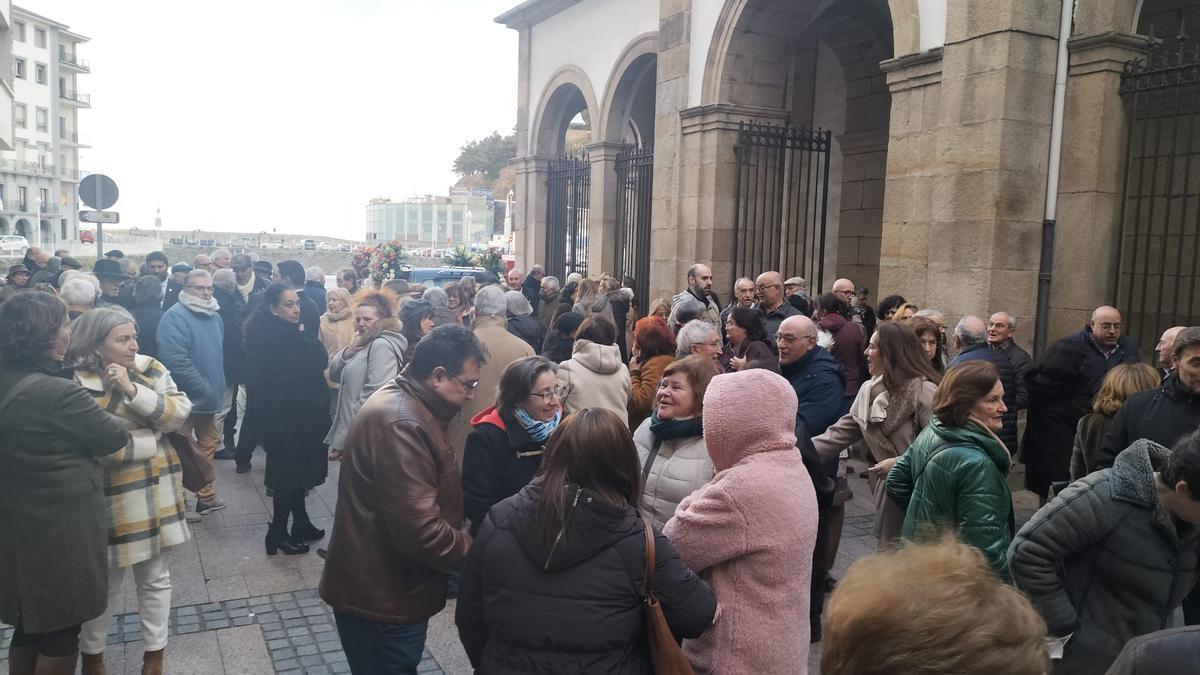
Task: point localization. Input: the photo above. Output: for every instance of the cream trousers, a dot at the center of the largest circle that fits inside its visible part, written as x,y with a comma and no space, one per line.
153,581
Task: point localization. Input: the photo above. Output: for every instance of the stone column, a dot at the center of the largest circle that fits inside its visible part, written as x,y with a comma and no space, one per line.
529,210
602,212
671,92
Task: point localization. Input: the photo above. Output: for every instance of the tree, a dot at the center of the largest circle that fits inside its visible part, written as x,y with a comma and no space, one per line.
492,262
487,156
460,258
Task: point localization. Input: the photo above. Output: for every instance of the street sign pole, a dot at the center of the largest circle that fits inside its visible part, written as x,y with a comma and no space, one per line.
99,230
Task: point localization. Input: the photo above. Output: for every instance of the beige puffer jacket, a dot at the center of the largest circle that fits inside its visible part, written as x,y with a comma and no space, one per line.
595,377
680,468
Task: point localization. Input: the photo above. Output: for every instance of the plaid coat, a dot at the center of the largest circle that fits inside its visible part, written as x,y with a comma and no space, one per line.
143,483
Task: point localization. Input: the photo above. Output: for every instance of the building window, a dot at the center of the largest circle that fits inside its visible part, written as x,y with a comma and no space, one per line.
64,228
40,71
43,199
39,38
19,66
21,197
19,30
42,118
20,112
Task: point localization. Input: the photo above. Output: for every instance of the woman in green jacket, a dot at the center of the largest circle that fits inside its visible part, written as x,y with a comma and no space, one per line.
954,475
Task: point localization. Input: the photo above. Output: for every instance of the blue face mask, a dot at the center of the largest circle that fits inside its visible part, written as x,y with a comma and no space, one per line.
538,430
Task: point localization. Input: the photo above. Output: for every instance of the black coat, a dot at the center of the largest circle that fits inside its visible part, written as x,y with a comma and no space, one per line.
1059,395
233,314
1166,652
1098,364
316,292
525,327
500,459
147,317
1162,415
576,606
171,295
1008,378
291,399
532,290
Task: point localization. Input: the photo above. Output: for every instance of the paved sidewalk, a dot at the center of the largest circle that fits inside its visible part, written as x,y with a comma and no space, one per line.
237,610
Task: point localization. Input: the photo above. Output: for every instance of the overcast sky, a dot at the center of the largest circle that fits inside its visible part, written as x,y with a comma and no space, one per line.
252,114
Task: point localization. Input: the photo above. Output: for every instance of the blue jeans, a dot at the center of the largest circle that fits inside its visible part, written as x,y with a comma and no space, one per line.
381,648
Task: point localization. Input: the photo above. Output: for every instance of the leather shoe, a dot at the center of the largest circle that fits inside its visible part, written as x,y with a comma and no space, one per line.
243,468
306,532
278,540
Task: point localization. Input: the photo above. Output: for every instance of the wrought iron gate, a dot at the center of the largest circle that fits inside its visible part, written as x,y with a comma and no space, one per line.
569,193
1159,229
635,180
781,200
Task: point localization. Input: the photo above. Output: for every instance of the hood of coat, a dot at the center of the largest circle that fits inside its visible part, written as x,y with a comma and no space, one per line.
1132,473
731,434
591,526
832,322
388,329
622,294
598,358
969,436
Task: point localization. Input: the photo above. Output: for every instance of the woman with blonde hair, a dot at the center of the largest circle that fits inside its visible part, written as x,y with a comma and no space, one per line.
142,483
905,312
1121,382
337,328
660,307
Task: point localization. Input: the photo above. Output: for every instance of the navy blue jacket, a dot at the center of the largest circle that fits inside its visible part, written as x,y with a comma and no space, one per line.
1008,378
1162,415
1097,364
817,379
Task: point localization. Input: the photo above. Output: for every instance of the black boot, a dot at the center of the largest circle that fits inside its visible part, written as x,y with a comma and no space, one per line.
306,531
278,540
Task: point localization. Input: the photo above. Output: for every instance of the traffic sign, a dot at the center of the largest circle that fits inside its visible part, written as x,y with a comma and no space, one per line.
98,191
110,217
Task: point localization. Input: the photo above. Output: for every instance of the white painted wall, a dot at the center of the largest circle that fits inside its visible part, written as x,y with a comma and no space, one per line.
589,35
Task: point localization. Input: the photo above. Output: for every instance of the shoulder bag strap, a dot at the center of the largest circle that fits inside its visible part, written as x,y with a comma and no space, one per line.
648,530
21,385
650,458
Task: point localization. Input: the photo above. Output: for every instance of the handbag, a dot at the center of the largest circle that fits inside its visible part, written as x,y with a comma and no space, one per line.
666,655
196,472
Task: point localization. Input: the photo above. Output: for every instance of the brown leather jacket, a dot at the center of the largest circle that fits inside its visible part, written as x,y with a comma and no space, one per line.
399,524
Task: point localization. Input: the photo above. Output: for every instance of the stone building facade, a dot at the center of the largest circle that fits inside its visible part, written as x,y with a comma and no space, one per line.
939,114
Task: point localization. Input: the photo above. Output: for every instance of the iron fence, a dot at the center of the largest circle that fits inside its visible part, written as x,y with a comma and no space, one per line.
1159,229
569,188
781,201
635,184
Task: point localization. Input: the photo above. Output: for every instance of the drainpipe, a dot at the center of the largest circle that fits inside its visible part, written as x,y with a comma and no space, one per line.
1046,266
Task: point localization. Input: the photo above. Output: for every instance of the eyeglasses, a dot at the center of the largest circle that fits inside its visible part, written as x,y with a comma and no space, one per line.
1109,326
471,385
781,337
201,289
767,288
557,393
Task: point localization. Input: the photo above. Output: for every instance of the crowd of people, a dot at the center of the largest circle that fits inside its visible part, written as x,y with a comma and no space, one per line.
560,457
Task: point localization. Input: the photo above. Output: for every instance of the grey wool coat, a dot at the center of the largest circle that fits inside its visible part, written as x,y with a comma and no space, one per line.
53,512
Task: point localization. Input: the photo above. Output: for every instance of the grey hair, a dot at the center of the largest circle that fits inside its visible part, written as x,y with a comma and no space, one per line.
225,279
574,277
147,289
89,332
518,304
196,274
314,273
931,314
222,251
693,333
1012,320
78,292
537,269
515,269
490,301
436,297
686,308
553,281
964,333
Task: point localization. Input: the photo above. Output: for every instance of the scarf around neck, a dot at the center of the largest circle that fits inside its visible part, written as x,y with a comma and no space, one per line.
670,430
338,316
199,305
538,430
247,289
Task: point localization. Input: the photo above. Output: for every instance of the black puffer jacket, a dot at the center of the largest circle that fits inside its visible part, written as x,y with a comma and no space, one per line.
499,460
1106,561
1162,415
575,607
1059,396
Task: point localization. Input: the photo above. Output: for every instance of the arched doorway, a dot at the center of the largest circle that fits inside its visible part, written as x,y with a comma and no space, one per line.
807,66
3,226
23,227
46,234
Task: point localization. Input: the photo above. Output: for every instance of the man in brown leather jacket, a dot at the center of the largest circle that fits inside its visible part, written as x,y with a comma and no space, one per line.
398,529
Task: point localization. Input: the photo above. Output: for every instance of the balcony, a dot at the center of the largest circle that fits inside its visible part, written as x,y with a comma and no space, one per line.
71,138
72,175
71,62
72,97
27,168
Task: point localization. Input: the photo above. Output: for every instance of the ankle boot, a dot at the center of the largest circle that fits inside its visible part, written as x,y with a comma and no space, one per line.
56,665
152,662
278,540
306,531
93,664
22,660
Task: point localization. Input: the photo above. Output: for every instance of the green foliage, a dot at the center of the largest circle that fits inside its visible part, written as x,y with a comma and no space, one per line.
487,156
492,262
461,258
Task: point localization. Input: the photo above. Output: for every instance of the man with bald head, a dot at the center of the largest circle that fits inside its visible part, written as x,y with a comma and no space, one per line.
1104,345
857,312
203,262
971,338
1166,350
769,291
700,283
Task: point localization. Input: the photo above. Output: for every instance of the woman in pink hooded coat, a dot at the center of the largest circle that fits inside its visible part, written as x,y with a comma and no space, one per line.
750,531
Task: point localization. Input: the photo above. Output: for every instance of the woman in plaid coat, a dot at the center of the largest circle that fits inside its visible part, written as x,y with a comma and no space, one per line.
143,482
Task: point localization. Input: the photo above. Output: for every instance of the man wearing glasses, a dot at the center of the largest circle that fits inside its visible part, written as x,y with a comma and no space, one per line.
1104,345
191,346
769,289
398,530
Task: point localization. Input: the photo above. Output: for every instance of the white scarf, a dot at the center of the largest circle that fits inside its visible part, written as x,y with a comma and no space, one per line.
866,409
199,305
247,289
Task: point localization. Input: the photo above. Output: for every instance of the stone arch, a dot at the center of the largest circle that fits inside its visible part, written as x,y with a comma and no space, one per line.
3,225
46,229
634,70
568,92
1102,16
23,227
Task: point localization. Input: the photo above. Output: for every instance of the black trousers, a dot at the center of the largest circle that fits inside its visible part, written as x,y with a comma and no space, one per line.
58,643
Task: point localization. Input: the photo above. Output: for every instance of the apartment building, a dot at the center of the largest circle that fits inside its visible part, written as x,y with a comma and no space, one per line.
39,173
462,218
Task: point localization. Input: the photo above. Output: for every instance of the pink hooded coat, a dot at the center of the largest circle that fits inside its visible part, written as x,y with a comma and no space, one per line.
750,532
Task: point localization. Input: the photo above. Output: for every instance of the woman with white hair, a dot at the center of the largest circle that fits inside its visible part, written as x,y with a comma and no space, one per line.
80,296
440,301
142,483
520,318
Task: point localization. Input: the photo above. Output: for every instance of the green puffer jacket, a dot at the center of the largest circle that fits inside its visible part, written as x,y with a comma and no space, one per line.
956,477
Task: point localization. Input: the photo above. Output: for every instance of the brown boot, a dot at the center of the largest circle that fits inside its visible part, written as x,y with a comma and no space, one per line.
22,660
56,665
93,664
152,662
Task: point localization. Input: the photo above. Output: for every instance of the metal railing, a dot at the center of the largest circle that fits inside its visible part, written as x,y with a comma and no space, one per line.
72,95
33,168
71,137
71,60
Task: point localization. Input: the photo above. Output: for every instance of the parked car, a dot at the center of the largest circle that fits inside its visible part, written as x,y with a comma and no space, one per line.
327,246
308,244
276,245
345,247
14,245
208,243
440,276
87,237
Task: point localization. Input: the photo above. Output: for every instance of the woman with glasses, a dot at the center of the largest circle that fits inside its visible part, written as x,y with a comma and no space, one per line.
504,449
